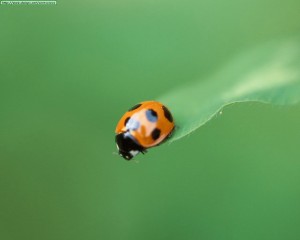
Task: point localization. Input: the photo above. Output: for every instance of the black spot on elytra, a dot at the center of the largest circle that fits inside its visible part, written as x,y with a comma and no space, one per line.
135,107
151,115
155,134
126,121
167,114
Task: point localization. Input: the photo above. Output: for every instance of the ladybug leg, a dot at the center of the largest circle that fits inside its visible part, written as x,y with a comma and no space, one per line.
144,151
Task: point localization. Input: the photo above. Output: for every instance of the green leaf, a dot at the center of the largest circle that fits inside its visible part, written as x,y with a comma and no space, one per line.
268,74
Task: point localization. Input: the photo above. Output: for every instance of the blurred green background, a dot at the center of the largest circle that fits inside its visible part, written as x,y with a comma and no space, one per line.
67,74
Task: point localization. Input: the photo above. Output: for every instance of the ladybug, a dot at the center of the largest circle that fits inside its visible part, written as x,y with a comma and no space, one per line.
143,126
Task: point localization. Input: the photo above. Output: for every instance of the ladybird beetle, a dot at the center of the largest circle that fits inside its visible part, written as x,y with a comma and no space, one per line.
143,126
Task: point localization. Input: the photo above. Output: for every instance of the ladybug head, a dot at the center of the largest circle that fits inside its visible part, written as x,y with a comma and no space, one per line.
127,145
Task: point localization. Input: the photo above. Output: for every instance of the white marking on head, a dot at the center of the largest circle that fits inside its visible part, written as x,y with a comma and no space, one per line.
134,153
